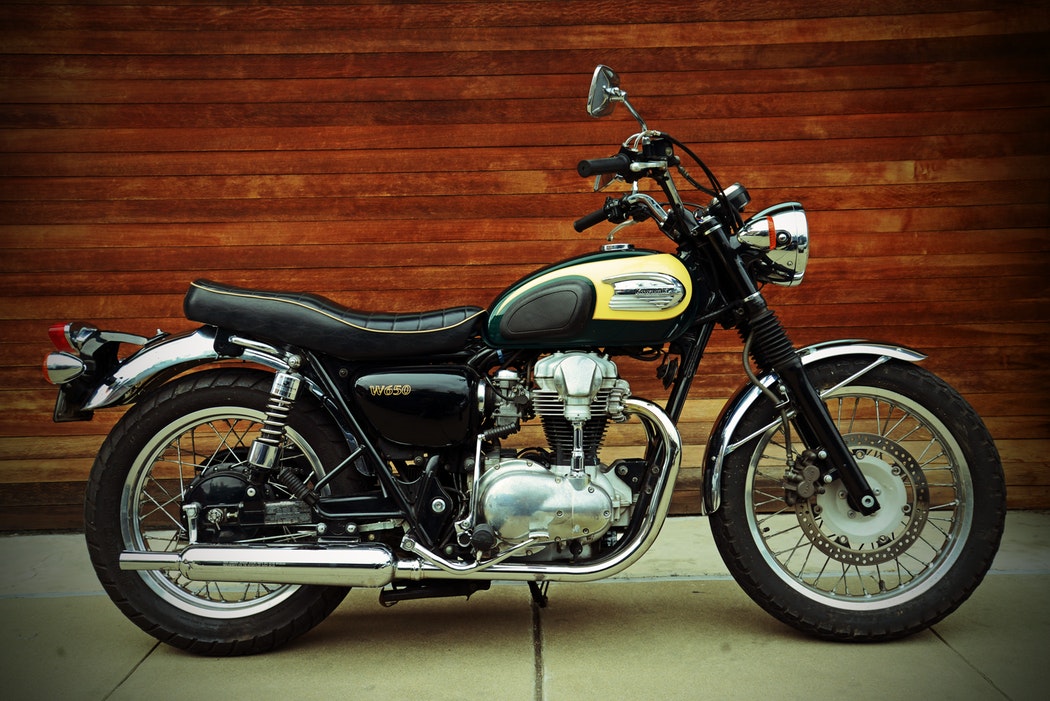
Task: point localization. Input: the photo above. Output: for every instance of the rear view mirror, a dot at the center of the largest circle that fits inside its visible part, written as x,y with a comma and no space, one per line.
605,87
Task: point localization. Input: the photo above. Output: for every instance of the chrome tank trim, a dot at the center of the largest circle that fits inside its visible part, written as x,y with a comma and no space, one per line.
169,354
644,291
738,405
432,566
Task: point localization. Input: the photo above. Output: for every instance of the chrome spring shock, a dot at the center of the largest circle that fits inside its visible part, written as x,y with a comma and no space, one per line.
267,446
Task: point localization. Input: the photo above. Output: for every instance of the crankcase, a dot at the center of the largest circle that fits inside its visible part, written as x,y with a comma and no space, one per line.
520,499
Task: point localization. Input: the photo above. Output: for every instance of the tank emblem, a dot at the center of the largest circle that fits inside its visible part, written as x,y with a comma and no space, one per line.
644,291
389,390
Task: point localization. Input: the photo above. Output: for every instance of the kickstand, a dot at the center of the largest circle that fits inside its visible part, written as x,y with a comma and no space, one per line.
539,593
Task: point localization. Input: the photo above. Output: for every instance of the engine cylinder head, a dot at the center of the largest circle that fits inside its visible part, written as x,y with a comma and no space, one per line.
576,378
577,389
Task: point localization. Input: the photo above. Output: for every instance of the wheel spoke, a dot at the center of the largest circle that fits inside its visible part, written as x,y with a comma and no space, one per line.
225,444
809,553
782,532
161,509
868,564
801,542
203,443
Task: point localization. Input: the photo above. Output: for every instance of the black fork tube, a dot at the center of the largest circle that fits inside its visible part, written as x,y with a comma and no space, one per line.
774,353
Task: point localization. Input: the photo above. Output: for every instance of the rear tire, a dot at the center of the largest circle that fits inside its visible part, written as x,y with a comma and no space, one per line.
829,571
134,500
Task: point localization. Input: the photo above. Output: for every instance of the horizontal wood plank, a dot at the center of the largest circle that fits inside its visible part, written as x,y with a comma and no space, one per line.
353,148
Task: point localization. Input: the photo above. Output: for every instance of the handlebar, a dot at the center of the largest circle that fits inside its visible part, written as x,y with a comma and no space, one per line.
635,204
651,154
587,221
612,211
619,164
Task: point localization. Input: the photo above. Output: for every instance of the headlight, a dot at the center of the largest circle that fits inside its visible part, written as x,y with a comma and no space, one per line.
776,244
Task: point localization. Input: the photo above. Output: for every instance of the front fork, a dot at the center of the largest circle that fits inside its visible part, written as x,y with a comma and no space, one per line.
774,353
815,425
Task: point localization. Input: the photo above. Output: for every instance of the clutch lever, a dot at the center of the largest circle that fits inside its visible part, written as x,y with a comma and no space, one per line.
618,227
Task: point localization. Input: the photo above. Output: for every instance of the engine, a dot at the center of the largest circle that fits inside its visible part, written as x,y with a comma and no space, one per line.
565,496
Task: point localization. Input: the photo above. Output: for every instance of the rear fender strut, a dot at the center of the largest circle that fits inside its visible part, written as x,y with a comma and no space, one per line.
159,361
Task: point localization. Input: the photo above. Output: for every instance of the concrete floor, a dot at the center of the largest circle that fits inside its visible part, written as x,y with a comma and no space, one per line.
674,626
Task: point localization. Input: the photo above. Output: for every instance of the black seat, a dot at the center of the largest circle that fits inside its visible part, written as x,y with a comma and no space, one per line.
314,322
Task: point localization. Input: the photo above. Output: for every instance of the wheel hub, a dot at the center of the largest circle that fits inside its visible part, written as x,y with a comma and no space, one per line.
223,506
841,532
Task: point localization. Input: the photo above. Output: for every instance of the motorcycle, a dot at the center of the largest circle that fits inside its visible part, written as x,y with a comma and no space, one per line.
291,448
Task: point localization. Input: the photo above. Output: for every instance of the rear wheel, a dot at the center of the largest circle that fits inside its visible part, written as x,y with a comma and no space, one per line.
193,428
821,566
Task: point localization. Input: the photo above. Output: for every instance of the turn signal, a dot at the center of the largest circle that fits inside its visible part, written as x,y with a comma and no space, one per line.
62,367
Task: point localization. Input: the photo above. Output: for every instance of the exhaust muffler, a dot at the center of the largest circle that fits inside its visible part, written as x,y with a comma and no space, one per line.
371,565
375,565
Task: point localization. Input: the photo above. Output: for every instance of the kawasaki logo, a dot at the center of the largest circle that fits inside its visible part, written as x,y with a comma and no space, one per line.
645,291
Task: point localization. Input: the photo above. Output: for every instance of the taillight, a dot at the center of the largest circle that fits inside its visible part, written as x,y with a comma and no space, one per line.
61,337
74,337
81,347
68,364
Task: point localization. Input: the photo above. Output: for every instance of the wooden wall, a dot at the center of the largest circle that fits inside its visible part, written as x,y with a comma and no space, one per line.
407,155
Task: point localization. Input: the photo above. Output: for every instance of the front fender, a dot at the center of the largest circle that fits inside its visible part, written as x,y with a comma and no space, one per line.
157,362
720,443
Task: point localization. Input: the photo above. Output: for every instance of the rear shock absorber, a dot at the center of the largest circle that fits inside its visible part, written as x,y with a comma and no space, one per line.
267,446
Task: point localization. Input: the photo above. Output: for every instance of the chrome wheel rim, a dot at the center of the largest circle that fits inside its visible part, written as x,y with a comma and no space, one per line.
151,500
832,554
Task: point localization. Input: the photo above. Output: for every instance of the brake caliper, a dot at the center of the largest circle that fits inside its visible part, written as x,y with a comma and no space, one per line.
802,480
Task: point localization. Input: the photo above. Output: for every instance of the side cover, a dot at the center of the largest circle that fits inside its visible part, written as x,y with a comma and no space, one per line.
419,406
620,298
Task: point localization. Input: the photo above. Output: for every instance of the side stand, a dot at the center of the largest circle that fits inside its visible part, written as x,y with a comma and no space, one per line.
539,593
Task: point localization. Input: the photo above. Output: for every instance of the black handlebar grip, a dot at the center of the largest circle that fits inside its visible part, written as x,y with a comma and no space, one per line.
619,164
589,220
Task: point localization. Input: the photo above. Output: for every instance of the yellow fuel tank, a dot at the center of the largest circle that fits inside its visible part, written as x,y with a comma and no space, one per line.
610,298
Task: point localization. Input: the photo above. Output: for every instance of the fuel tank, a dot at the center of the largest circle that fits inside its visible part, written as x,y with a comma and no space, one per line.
610,298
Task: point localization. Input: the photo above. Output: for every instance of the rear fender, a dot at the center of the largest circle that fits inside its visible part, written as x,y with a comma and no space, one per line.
161,360
721,442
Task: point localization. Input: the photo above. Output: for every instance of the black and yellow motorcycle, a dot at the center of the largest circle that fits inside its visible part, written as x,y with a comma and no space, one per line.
291,448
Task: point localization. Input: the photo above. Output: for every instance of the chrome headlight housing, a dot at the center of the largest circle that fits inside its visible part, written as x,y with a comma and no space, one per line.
775,244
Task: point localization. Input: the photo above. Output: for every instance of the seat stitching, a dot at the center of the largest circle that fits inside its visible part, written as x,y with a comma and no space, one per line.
331,316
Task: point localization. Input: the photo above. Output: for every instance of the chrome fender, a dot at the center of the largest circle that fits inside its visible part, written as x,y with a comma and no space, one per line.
161,360
720,444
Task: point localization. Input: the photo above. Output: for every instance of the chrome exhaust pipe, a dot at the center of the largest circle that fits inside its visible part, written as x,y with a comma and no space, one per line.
371,565
431,565
374,564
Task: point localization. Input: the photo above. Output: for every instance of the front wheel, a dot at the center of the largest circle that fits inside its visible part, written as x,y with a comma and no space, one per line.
816,563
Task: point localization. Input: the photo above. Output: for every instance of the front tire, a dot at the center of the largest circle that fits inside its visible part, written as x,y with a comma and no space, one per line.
134,501
822,567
